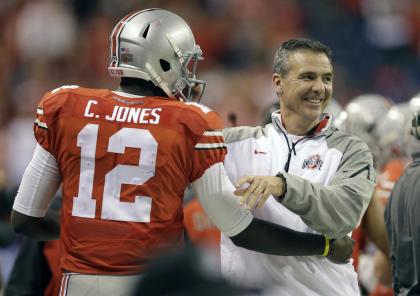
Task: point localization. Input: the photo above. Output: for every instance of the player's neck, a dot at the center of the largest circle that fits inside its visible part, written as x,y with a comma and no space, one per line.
140,87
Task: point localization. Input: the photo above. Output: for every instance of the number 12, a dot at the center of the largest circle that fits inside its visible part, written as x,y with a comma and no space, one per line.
84,205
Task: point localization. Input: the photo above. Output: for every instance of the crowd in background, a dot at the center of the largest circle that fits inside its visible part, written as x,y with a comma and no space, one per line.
48,43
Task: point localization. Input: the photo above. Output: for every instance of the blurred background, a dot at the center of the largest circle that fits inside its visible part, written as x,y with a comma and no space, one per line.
48,43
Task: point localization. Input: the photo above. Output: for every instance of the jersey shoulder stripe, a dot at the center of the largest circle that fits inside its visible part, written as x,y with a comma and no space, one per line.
40,124
211,139
210,146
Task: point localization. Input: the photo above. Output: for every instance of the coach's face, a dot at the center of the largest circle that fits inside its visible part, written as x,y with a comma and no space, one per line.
305,90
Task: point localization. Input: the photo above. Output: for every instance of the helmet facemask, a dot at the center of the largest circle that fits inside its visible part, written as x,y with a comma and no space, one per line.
187,86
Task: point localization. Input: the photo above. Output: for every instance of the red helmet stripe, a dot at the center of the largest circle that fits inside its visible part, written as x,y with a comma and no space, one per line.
115,37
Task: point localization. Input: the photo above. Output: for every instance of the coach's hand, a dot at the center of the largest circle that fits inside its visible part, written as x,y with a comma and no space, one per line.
259,189
341,250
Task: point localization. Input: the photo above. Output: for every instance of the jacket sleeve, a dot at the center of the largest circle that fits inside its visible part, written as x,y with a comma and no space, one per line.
336,209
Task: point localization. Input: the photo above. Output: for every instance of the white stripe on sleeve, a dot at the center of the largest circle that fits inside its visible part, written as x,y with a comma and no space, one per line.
40,123
213,133
209,145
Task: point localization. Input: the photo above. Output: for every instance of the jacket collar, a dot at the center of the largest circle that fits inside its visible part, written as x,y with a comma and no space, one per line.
324,127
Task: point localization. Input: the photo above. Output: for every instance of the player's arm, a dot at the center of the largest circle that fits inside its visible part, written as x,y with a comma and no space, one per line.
374,225
215,192
40,182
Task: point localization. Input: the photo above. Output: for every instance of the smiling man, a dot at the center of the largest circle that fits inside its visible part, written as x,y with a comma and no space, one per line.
321,178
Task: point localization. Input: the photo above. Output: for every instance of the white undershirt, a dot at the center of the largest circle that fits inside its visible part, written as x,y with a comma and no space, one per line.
215,193
39,184
42,179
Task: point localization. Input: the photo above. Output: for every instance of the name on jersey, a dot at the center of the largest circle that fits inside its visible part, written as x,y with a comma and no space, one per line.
126,114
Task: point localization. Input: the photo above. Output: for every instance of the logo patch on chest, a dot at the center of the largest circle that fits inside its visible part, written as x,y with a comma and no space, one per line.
312,163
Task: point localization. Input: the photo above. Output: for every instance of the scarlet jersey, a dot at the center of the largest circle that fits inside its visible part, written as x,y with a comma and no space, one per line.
391,172
51,251
359,243
125,162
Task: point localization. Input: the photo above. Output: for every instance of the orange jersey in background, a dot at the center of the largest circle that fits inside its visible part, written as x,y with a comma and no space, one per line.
125,162
359,243
200,229
391,172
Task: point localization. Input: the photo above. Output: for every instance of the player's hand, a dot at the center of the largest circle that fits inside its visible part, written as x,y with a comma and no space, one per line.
341,250
259,190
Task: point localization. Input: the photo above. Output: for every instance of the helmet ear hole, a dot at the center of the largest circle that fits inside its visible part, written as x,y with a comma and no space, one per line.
146,31
165,65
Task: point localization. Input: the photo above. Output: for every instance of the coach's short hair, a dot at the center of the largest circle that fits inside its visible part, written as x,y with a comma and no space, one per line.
280,65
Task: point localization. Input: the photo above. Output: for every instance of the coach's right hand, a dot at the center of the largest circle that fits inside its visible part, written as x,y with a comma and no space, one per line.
341,250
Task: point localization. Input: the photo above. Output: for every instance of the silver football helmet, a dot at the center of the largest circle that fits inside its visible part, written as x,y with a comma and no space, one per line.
412,127
337,112
390,129
156,45
363,115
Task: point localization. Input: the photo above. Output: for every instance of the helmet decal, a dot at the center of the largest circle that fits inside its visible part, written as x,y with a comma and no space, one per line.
115,37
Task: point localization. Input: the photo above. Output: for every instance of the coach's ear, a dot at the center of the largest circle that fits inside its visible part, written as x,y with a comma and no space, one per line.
277,84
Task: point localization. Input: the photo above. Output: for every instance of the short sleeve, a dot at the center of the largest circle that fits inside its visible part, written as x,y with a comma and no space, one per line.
210,147
48,111
41,126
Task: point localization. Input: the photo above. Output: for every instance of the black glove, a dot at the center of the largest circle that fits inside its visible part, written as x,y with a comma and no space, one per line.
340,250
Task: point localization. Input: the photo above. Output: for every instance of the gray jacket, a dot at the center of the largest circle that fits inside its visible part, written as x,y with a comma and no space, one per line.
330,180
403,226
329,174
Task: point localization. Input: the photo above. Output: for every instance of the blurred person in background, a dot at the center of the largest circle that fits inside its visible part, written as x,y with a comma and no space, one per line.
386,128
200,230
365,114
190,272
9,241
321,179
402,222
339,115
36,270
122,208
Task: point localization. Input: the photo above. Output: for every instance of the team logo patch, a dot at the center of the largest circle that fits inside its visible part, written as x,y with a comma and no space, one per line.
313,162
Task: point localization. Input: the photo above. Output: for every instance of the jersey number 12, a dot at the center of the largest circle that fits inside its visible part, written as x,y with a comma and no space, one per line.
112,207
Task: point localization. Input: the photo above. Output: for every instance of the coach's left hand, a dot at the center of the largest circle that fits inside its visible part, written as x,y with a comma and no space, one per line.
258,190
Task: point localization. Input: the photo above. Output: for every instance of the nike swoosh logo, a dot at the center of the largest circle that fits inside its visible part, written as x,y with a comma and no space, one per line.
259,152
